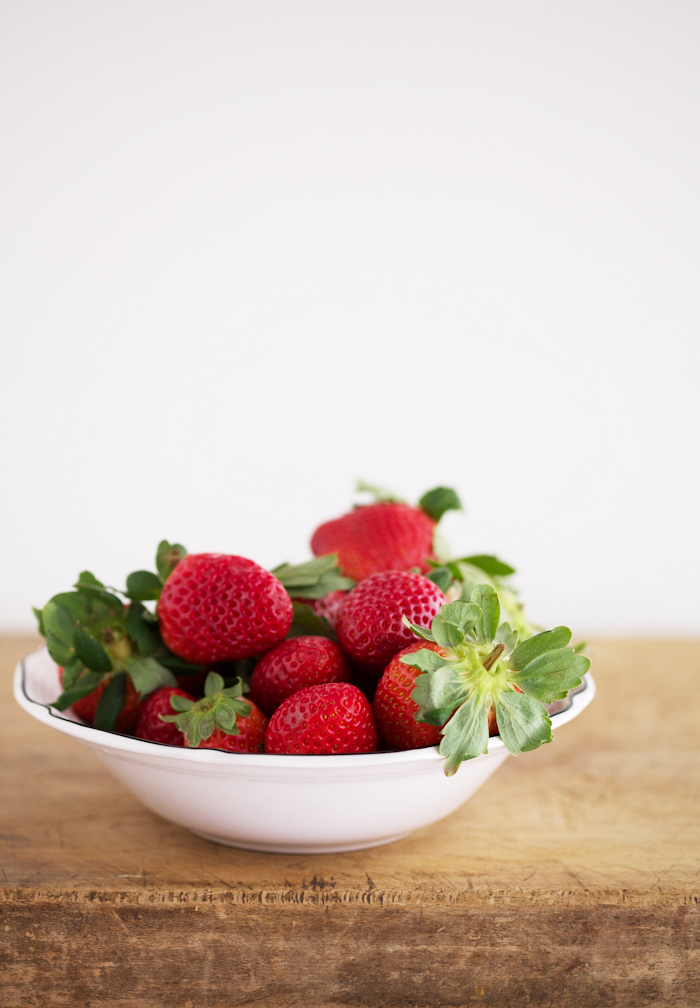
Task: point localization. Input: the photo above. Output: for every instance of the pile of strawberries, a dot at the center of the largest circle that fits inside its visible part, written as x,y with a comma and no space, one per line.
380,641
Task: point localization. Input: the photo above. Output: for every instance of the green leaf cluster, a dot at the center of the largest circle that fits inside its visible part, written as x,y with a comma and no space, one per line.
145,586
463,574
484,666
219,708
313,579
93,635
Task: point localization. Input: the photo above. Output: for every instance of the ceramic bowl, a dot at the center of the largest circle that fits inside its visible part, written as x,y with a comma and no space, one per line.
282,804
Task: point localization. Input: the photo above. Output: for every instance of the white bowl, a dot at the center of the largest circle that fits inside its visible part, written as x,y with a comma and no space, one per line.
282,804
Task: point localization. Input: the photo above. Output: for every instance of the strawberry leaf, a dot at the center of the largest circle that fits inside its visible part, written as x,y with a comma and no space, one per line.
181,703
486,598
441,576
40,620
438,693
147,674
490,565
214,684
436,502
425,632
466,734
522,722
111,703
85,684
90,651
506,636
87,584
425,660
549,640
454,622
142,631
143,586
550,676
313,579
58,627
168,556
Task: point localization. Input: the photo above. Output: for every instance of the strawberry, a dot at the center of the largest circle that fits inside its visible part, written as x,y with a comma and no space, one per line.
293,665
86,707
395,710
217,608
370,627
150,726
386,535
220,720
330,719
481,669
111,653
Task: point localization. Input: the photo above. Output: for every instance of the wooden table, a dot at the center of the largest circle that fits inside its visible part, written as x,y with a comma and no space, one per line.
571,878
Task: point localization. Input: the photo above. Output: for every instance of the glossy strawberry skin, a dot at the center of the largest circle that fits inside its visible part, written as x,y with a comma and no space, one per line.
86,708
293,665
216,608
395,710
250,738
332,719
377,537
149,725
369,627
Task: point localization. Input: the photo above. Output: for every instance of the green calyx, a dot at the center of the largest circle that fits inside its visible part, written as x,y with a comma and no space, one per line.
483,665
95,636
145,586
313,579
436,502
461,576
219,708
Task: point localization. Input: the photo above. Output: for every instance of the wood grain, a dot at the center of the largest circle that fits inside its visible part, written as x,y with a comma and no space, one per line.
571,878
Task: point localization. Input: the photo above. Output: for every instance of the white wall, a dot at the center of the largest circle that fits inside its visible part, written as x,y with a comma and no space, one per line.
251,250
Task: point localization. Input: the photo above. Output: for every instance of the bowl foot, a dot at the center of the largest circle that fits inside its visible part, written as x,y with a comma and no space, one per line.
282,848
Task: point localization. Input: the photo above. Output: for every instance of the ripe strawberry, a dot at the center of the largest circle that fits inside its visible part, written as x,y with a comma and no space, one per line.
222,719
395,710
293,665
370,627
386,535
330,719
377,537
86,707
149,725
217,608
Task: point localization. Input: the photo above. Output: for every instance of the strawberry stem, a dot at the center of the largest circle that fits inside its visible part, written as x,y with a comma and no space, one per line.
491,659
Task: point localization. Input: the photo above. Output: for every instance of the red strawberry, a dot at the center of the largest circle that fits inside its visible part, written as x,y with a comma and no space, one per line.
293,665
369,626
395,710
250,738
216,608
222,719
149,725
377,537
323,720
86,707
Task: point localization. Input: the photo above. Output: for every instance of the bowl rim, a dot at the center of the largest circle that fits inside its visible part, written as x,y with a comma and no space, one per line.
129,744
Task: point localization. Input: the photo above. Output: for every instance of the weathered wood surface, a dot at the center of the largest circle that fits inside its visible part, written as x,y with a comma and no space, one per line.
572,878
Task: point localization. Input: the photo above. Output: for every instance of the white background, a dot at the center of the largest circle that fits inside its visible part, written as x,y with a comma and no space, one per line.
252,250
